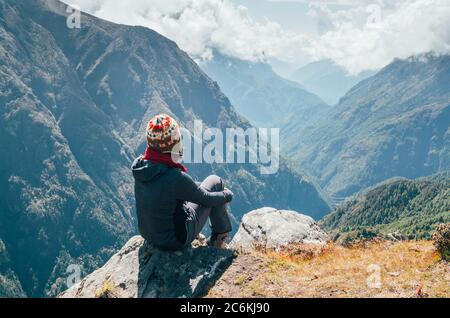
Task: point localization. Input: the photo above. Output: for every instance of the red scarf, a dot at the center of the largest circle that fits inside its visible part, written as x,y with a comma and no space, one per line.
166,159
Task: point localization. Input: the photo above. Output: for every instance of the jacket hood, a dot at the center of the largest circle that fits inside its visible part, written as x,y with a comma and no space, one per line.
146,171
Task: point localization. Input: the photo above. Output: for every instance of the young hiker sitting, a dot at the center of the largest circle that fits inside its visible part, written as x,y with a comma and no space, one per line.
172,209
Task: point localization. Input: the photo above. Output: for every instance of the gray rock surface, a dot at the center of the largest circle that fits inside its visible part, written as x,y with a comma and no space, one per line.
138,270
272,228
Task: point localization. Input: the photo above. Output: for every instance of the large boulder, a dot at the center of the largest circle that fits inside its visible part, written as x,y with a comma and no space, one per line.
270,228
138,270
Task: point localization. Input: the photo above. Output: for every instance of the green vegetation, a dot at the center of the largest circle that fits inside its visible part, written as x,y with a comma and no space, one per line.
410,208
441,240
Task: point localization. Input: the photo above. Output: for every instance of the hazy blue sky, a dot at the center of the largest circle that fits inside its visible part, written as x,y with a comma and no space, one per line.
292,16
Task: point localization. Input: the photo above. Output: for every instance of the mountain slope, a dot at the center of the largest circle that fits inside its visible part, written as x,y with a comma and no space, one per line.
327,80
411,207
54,200
396,123
74,104
262,96
9,283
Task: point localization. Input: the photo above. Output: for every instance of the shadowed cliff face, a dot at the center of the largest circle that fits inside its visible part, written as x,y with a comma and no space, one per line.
396,123
74,104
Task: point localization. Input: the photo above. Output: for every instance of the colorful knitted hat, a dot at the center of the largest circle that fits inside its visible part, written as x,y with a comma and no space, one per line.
163,134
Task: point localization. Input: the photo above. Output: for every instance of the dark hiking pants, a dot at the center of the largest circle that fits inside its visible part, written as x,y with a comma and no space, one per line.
218,216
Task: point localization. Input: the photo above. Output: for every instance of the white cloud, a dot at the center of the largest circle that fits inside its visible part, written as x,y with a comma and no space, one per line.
357,34
199,26
370,36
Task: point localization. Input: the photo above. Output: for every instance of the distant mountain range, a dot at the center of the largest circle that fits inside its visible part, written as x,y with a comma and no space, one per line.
399,115
328,80
396,123
408,208
262,96
74,105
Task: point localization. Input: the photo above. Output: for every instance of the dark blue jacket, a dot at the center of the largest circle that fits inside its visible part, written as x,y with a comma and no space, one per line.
161,194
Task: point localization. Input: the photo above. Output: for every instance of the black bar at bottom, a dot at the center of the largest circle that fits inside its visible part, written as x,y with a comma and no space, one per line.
224,307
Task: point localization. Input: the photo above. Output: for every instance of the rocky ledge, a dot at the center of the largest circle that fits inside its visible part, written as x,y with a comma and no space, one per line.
138,270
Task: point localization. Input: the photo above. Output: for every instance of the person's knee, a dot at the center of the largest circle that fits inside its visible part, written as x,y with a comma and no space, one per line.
213,183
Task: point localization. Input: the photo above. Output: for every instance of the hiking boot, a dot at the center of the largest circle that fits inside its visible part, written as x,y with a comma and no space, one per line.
219,240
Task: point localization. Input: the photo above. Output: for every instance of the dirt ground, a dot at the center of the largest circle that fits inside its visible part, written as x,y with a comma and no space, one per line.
373,269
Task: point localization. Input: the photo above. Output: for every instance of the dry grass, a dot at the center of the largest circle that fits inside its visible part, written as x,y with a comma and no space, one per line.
108,290
377,269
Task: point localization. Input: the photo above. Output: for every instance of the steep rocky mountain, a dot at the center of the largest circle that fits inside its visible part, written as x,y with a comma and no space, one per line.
396,123
262,96
73,107
409,208
327,80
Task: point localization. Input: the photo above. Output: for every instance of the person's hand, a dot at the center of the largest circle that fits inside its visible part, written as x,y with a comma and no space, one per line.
229,194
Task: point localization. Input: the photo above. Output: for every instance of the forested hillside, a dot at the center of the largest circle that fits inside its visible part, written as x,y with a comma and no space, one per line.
412,208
